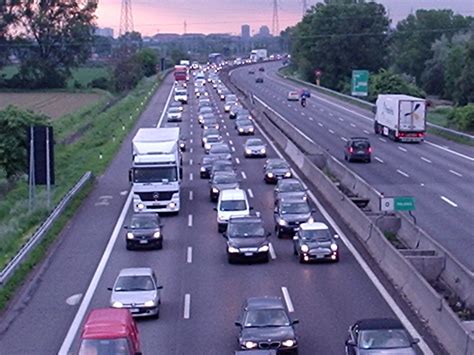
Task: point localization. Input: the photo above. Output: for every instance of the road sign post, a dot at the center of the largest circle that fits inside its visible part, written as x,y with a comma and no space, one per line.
360,83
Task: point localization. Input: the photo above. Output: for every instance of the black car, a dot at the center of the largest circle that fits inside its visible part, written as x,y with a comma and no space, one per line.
221,165
380,336
144,231
358,149
259,80
289,214
244,127
314,242
276,169
222,180
206,165
221,151
246,239
290,188
261,69
265,324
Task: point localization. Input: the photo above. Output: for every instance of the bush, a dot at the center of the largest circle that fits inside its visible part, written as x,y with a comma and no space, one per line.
463,118
100,83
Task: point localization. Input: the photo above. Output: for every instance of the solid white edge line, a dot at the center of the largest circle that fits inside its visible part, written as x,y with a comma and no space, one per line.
370,274
272,251
382,140
286,296
448,201
187,306
76,323
450,151
189,255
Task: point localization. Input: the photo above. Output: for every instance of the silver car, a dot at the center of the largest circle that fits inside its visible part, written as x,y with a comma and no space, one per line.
137,290
221,151
255,147
174,114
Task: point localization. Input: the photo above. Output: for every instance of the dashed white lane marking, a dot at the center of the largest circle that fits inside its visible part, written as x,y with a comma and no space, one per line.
353,125
426,160
272,251
455,173
250,193
243,175
187,306
382,140
311,118
124,192
190,196
402,173
344,139
366,131
402,149
190,162
190,220
286,296
331,131
379,160
190,176
237,160
191,141
227,134
320,124
191,150
341,119
448,201
331,114
189,255
230,142
232,148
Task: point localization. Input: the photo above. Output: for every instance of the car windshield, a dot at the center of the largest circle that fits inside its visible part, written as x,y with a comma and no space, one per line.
252,143
360,145
291,187
244,122
230,98
220,149
243,113
213,139
180,92
174,110
146,175
384,339
294,208
205,109
246,229
233,205
278,165
134,283
266,318
119,346
225,179
144,222
316,235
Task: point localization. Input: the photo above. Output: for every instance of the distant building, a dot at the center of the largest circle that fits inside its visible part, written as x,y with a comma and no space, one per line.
105,32
264,31
245,34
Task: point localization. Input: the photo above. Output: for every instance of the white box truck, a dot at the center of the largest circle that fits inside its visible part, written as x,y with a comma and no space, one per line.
400,117
257,55
156,171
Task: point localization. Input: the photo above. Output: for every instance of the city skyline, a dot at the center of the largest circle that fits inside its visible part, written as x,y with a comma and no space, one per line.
168,16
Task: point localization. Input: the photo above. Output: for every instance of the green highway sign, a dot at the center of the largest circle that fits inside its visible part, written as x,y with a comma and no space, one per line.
360,82
404,203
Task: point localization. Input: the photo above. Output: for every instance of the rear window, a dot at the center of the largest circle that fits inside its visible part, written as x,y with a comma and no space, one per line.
118,346
361,144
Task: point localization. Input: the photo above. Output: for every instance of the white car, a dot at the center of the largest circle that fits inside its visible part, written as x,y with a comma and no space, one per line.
231,203
211,140
174,114
181,95
293,96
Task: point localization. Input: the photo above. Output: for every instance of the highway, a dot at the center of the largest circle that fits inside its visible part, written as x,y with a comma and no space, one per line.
438,172
202,292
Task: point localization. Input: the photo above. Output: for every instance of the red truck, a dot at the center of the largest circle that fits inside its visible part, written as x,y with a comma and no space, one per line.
110,331
180,73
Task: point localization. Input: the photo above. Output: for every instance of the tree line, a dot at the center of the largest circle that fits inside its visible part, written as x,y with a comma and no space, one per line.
430,52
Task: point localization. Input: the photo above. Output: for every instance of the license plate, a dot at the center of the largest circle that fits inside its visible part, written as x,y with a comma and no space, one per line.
319,256
143,241
248,254
134,310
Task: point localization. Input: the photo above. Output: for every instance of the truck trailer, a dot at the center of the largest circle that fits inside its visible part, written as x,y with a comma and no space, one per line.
400,117
156,171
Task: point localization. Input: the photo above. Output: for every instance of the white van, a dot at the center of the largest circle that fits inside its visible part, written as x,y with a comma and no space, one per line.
231,203
181,95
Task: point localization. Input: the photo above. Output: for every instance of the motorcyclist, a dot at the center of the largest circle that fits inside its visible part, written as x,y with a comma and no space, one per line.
303,100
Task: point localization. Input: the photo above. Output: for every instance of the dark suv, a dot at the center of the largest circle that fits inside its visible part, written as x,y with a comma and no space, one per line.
358,148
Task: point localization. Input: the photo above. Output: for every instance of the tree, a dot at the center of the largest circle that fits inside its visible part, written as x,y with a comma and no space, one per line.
411,43
13,144
148,60
337,37
127,72
465,83
59,37
388,82
7,20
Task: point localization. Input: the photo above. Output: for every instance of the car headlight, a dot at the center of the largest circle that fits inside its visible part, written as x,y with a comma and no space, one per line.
231,249
251,129
130,235
157,235
334,247
282,222
264,248
263,150
304,248
204,140
203,169
117,304
172,205
241,129
288,174
151,303
250,344
248,151
214,190
288,343
270,175
310,220
140,206
207,146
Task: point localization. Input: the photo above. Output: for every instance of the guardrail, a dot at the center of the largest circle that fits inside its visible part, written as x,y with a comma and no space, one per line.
370,106
426,302
39,234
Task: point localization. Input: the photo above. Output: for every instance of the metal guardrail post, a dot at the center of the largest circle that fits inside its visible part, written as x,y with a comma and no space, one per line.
39,234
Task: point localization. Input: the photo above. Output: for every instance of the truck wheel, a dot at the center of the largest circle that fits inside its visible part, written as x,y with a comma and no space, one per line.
376,128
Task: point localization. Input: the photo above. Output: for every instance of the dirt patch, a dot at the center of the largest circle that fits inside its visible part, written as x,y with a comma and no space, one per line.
54,105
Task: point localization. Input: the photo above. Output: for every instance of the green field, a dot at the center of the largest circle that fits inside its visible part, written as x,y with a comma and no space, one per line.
83,75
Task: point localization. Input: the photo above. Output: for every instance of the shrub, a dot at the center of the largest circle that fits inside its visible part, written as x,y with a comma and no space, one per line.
463,118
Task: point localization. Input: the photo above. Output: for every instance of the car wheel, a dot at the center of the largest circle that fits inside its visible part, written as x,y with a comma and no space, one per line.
345,157
368,160
160,245
128,246
266,258
157,315
295,252
230,259
301,259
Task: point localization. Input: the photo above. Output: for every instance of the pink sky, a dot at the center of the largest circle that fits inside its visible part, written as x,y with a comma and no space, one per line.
226,16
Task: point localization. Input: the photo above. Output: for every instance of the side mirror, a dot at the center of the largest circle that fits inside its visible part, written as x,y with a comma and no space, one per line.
295,237
313,210
109,288
125,227
159,287
295,321
238,324
161,225
336,236
350,342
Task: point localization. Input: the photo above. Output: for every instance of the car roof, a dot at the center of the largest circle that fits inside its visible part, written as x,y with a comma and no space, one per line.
234,194
245,219
254,140
136,271
107,323
359,138
224,173
315,226
274,160
379,323
266,302
145,215
289,181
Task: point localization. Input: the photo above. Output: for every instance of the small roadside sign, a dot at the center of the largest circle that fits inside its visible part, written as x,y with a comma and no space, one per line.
387,204
399,203
360,83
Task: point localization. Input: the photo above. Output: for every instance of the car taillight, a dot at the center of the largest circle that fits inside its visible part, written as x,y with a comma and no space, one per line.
351,150
419,134
370,149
